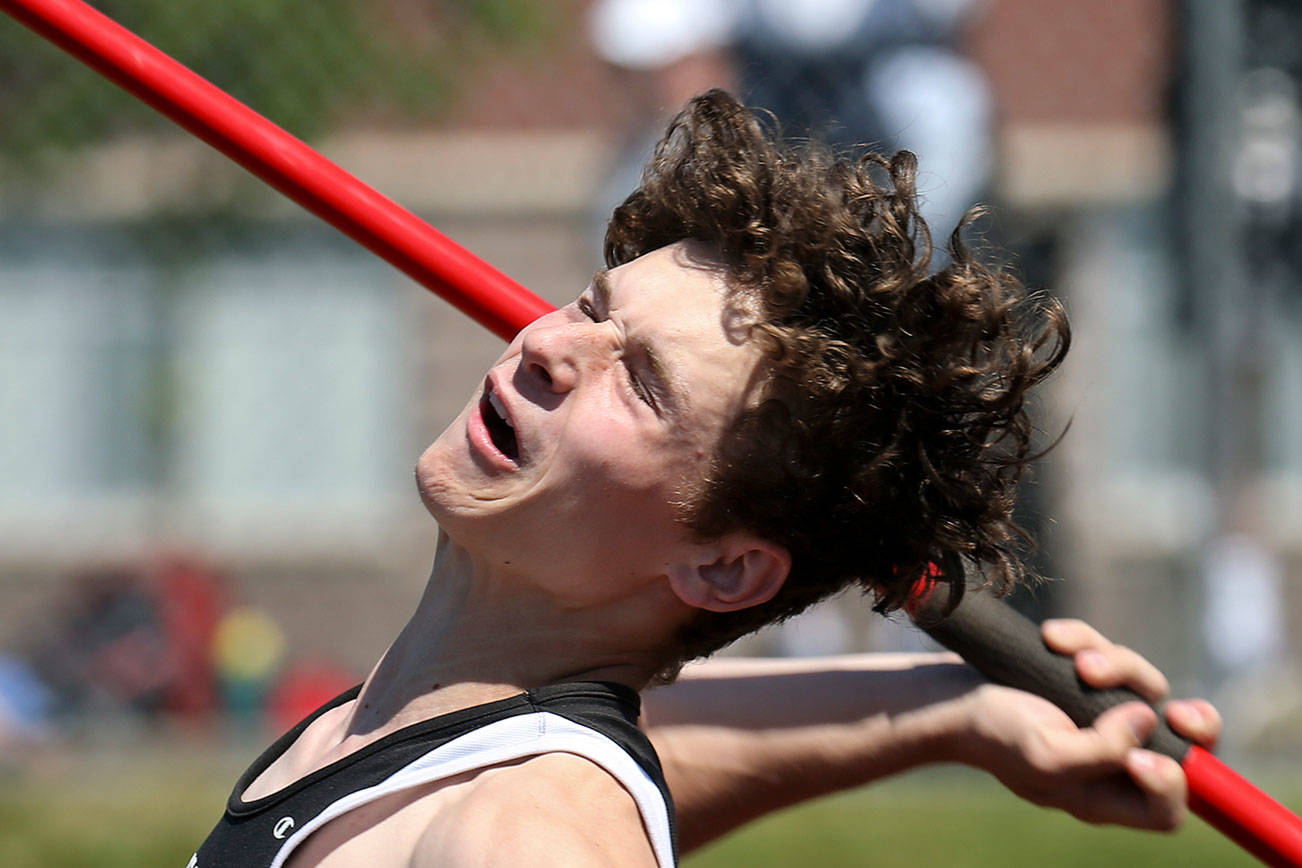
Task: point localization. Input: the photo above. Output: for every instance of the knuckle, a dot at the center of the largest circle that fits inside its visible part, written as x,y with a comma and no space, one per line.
1114,748
1043,759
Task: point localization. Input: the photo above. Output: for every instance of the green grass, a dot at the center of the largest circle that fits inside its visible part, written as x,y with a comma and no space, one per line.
955,819
152,806
139,809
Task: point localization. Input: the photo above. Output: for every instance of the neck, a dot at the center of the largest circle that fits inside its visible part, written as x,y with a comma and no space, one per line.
480,634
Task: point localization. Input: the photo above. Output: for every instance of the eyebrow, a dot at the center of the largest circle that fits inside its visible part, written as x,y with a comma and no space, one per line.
601,287
656,368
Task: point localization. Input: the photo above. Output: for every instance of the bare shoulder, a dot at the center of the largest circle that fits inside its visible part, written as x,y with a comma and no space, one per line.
554,809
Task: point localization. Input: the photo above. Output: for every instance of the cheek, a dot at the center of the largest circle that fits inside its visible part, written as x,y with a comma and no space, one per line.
632,500
611,450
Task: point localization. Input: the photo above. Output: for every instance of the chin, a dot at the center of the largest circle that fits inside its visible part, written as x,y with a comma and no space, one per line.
445,481
431,480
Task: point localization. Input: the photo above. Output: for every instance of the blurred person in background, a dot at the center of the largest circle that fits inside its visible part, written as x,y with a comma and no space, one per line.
133,639
886,73
768,396
107,654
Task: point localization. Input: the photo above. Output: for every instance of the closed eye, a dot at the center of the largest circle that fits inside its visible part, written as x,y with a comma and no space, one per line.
634,381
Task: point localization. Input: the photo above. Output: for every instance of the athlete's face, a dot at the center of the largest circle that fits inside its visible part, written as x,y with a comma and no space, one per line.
596,421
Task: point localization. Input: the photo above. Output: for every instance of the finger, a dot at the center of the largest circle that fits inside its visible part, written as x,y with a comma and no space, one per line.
1069,635
1163,783
1195,719
1118,666
1117,800
1099,662
1097,750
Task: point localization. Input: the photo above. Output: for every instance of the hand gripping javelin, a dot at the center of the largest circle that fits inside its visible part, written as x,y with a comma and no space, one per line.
990,635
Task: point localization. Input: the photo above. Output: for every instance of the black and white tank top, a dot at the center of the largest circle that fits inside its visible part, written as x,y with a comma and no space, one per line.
594,720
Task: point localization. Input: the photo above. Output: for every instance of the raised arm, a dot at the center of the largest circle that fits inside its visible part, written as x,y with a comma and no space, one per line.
740,738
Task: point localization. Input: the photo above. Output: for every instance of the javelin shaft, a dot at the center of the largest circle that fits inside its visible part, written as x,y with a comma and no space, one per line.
1249,817
286,163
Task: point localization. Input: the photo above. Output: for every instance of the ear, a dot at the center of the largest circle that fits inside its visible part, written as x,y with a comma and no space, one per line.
737,571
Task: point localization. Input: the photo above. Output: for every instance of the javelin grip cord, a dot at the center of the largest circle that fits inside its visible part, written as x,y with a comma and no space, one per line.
1006,647
376,222
987,634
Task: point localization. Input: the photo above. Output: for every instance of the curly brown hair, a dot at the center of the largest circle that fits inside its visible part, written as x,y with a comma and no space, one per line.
892,428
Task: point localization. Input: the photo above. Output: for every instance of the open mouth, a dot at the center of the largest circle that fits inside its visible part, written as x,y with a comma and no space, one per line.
500,430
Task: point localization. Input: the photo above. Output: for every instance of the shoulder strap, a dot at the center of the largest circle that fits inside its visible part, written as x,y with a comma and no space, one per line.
505,740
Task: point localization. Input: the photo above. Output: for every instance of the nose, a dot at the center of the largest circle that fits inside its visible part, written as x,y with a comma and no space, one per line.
558,356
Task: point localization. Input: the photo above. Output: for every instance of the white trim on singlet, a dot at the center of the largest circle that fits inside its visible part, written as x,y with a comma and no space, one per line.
513,738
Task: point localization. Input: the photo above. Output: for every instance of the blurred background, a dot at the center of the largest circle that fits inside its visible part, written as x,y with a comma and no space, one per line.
212,403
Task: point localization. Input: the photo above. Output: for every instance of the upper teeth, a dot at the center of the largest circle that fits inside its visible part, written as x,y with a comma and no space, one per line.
501,411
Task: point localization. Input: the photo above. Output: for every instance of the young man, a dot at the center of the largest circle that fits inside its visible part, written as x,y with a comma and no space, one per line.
766,397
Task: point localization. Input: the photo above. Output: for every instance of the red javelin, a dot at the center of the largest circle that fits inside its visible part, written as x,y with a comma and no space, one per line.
985,632
376,222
